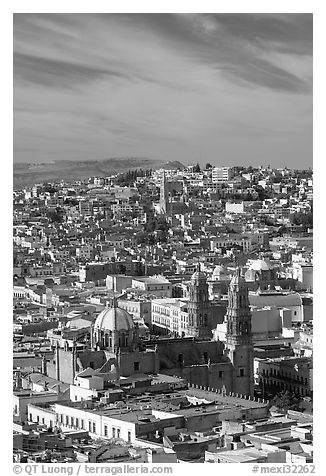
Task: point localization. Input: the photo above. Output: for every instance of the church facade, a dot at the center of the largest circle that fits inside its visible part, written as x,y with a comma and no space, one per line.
115,346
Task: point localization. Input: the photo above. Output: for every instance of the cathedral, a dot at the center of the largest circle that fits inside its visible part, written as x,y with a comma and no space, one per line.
115,346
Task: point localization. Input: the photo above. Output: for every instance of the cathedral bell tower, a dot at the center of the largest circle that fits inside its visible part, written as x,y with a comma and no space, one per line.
239,337
199,315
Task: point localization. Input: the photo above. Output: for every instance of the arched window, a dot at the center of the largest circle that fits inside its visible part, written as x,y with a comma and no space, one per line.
106,340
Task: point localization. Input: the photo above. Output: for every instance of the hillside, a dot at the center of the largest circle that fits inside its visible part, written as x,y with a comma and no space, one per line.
25,175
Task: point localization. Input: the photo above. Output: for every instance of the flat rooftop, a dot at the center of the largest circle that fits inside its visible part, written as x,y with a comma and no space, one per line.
188,402
288,361
151,280
242,455
223,399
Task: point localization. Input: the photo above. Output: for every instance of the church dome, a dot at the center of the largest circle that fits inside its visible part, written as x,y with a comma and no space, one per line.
114,319
261,265
198,275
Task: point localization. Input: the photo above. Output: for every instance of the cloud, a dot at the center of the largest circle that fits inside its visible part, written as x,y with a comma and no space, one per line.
56,73
162,85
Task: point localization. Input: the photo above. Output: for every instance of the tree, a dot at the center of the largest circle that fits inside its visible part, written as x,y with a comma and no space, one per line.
208,166
54,215
267,220
197,168
284,401
282,229
304,219
49,188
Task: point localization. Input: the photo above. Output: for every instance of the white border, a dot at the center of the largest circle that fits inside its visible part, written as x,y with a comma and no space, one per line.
167,6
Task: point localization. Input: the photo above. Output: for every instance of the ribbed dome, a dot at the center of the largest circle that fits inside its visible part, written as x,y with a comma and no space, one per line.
261,265
198,275
114,319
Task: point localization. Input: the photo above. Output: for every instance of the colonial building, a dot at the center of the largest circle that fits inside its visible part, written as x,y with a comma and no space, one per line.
116,347
191,316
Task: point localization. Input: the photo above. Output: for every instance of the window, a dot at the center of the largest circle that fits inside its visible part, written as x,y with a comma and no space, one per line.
71,421
94,428
136,366
77,423
118,433
220,374
30,417
67,420
113,432
82,424
241,372
129,436
89,426
38,419
105,430
43,421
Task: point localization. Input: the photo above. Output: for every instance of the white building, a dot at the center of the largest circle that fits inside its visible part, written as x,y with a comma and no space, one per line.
303,272
221,174
171,315
157,285
267,322
237,207
109,422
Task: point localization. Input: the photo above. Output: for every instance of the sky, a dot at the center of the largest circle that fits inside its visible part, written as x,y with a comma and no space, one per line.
229,89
